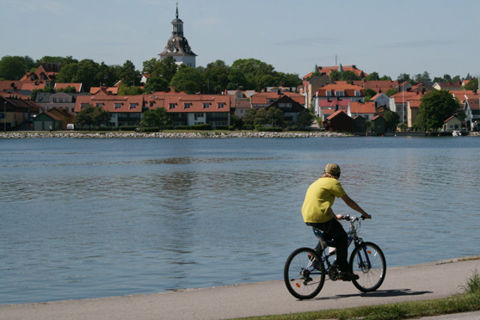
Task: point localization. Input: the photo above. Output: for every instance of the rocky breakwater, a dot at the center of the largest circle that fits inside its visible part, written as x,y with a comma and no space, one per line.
164,135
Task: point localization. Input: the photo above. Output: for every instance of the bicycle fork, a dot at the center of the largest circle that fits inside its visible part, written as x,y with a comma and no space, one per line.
364,258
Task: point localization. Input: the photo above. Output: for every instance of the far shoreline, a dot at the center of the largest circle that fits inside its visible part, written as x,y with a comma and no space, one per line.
212,134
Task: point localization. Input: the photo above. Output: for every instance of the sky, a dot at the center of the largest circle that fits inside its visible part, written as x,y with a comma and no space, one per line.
384,36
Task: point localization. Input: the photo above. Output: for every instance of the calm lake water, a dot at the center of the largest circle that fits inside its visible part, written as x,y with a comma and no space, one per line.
93,218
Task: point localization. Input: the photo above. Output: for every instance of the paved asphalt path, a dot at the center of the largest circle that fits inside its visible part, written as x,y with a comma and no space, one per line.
426,281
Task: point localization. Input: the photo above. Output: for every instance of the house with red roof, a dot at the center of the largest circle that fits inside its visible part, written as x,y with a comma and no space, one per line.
407,104
342,90
53,119
379,86
380,100
325,108
192,109
124,110
469,100
240,101
451,124
448,85
291,103
366,110
16,112
327,70
339,121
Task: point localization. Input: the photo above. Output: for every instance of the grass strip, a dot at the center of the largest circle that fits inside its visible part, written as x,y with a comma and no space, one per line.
404,310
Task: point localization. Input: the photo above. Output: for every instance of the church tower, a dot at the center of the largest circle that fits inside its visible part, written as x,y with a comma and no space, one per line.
177,46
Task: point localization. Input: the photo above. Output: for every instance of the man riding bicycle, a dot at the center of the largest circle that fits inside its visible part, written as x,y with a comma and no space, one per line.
317,212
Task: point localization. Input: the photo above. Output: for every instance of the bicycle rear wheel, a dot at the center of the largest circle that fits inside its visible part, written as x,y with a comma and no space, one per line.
303,276
368,262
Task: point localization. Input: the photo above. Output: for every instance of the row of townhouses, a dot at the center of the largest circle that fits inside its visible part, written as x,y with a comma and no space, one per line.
317,92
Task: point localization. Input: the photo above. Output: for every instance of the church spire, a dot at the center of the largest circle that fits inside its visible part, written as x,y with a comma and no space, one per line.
177,10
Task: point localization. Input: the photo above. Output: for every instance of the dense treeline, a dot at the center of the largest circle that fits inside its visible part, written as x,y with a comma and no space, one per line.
249,74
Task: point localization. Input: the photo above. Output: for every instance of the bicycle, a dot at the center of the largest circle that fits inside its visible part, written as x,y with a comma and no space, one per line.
305,272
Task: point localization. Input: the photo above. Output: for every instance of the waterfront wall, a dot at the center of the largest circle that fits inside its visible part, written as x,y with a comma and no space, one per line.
165,135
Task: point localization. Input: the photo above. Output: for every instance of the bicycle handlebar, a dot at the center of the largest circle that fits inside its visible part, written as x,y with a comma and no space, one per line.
351,218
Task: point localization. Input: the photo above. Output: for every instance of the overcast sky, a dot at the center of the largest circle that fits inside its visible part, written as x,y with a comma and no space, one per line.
386,36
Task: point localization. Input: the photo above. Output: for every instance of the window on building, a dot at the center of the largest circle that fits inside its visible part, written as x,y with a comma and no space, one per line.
133,105
206,105
328,93
171,105
339,93
198,115
118,105
187,105
99,105
84,105
357,93
221,105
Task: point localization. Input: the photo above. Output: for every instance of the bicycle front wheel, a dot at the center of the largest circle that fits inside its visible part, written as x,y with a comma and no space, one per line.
368,262
303,273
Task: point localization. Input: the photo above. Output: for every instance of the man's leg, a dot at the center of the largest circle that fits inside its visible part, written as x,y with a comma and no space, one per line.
334,230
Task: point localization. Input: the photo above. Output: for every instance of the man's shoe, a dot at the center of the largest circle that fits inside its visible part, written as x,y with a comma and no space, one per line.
348,276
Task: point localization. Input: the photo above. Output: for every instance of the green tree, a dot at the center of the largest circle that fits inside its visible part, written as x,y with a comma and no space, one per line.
274,117
392,119
335,75
289,79
261,117
249,119
188,79
435,107
156,84
92,117
157,118
165,69
125,90
85,71
106,75
129,75
14,67
349,76
149,66
423,78
236,80
390,92
216,77
304,119
369,93
403,77
56,60
472,84
253,70
373,76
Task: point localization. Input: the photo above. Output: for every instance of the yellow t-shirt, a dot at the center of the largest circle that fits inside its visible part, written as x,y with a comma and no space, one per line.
319,198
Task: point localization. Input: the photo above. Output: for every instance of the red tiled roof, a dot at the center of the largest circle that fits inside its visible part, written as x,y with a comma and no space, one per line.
9,85
333,103
363,108
77,86
111,103
30,86
463,95
333,115
377,85
112,90
264,98
348,89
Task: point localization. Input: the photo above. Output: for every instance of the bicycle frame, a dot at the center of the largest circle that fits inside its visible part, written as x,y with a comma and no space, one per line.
352,237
